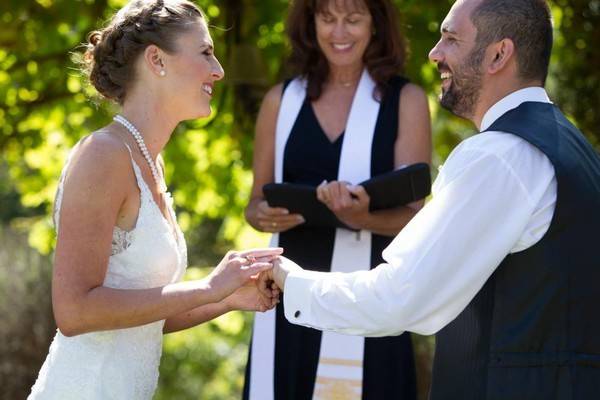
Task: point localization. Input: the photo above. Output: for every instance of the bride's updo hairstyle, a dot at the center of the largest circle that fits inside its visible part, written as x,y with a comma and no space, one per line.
112,52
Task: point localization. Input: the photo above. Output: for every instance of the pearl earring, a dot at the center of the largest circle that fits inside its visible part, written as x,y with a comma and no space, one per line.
162,73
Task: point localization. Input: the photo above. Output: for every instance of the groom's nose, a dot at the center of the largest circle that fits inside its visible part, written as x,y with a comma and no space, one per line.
435,55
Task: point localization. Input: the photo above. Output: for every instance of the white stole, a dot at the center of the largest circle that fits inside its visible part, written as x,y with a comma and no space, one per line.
340,368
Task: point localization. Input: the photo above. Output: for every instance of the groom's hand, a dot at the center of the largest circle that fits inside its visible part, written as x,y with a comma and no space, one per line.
272,281
249,298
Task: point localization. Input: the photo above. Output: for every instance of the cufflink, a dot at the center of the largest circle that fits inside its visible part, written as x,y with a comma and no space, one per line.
296,314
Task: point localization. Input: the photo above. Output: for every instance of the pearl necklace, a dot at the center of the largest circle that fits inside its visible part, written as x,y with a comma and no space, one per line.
142,146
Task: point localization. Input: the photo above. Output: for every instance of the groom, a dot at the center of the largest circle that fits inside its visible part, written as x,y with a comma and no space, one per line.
502,264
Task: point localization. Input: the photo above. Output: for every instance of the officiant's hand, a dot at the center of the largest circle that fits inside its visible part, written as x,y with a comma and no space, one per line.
349,203
275,219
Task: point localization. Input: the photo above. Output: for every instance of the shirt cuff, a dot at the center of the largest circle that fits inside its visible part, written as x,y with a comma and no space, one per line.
298,294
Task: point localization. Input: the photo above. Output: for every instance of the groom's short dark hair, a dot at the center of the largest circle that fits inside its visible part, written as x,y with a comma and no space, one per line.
528,23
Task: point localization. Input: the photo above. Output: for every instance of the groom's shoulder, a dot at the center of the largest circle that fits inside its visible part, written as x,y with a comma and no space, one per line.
490,152
496,142
495,147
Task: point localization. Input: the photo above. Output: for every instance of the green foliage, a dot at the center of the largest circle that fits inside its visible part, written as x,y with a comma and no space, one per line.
46,106
574,79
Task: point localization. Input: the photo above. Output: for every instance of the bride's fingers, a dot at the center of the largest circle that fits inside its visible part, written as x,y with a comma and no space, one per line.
261,252
265,258
238,261
248,271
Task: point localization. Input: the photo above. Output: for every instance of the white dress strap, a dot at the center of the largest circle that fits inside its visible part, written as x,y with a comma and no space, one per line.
60,190
144,189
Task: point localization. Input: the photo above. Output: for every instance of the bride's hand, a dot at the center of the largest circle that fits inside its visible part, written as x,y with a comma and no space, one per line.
250,298
237,268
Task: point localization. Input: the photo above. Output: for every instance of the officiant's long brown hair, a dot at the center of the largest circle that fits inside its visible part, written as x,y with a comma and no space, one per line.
384,57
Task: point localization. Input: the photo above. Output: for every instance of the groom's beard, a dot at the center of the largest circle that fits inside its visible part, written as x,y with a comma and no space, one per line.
463,94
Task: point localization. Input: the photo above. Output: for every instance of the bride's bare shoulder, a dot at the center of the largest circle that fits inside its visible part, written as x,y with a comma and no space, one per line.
100,157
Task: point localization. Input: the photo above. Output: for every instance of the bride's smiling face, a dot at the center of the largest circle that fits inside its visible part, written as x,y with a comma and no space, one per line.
191,72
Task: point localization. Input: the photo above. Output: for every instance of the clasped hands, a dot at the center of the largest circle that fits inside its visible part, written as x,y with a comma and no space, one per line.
350,204
251,280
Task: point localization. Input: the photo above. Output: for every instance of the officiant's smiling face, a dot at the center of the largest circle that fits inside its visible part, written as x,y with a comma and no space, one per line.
459,60
344,30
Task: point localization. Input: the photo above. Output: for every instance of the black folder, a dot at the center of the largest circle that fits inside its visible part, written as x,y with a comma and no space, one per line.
392,189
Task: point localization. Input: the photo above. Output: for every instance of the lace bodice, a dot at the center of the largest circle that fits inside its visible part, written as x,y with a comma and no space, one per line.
123,363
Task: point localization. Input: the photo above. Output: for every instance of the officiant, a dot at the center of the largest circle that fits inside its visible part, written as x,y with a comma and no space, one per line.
347,116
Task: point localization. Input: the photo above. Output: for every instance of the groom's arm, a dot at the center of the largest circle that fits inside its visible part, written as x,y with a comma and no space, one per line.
435,266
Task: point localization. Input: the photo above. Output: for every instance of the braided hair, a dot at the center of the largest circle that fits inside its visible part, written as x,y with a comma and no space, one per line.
112,51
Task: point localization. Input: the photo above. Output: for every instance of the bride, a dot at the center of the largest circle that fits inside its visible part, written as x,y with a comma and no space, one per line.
120,254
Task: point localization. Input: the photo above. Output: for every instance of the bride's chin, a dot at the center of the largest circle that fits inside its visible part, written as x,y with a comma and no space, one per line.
202,112
205,114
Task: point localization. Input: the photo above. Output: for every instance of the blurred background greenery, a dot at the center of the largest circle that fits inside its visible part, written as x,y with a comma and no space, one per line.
46,106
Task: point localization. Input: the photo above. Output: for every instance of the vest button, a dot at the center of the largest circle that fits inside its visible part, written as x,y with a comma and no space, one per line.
296,314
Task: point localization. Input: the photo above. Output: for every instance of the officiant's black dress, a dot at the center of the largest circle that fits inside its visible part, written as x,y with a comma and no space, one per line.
310,158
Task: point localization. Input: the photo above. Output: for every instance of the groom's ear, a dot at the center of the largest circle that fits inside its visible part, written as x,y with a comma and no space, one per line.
500,55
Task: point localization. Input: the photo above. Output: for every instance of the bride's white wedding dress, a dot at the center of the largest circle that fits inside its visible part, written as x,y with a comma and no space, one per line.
123,363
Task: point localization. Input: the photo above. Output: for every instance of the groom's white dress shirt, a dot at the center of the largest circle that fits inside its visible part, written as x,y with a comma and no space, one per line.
495,195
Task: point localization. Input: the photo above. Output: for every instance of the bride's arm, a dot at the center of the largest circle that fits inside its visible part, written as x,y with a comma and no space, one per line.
196,316
245,298
96,188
